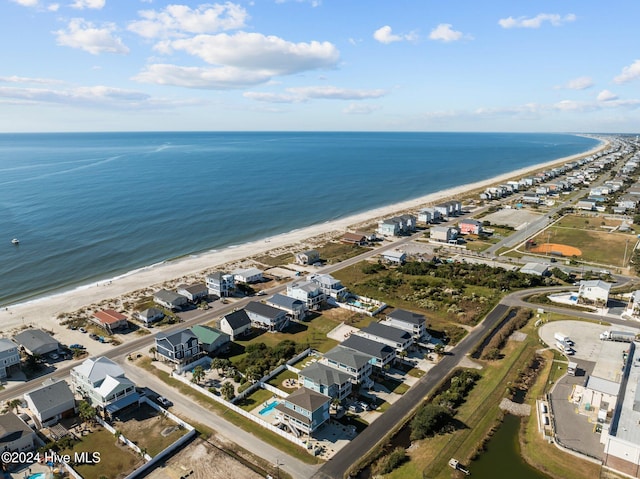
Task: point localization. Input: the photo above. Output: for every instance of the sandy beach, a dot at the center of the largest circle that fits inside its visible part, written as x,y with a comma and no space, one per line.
43,312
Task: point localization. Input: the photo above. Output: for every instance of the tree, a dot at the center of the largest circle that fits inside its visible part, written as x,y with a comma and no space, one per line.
253,373
14,404
439,349
86,411
429,420
228,391
198,374
153,350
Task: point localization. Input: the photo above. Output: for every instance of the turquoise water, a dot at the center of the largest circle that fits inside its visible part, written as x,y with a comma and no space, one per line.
37,475
92,206
268,408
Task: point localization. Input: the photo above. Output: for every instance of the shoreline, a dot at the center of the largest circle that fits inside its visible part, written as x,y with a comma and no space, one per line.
45,309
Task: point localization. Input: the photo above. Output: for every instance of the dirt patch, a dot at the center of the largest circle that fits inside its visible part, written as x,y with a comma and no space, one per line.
550,248
196,462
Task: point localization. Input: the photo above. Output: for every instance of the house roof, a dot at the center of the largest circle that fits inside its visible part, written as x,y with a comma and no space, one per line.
33,339
387,332
150,313
534,268
12,428
96,369
51,394
207,335
183,336
307,399
196,288
470,221
595,283
603,385
368,346
111,384
263,310
238,319
109,316
354,237
282,301
394,253
7,344
306,286
348,357
310,252
168,296
407,316
248,272
323,374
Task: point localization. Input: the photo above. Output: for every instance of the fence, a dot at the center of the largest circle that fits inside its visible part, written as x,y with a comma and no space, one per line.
205,360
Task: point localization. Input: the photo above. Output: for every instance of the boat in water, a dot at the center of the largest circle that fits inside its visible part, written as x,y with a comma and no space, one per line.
15,241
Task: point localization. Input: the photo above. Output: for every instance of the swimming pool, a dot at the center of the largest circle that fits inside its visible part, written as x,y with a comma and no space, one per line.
268,408
37,475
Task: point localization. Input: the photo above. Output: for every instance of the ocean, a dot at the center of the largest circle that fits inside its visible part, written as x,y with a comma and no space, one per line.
92,206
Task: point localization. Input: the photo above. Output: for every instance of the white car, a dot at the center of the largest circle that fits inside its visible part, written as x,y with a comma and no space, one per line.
164,401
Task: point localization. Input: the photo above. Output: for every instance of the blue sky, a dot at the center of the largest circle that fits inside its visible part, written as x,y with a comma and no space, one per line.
349,65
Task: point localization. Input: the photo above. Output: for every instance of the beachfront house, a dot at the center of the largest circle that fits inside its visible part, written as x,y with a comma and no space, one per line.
248,275
266,317
295,308
210,340
305,410
193,292
354,238
470,226
354,363
170,300
398,339
413,323
381,353
221,284
236,324
429,215
181,347
444,234
594,292
103,384
9,357
110,320
36,342
51,402
149,315
389,227
326,380
15,434
394,256
308,292
329,285
310,256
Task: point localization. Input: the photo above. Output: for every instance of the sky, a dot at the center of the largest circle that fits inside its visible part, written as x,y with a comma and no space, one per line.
320,65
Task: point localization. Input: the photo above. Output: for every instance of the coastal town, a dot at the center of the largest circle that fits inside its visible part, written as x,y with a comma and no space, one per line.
307,359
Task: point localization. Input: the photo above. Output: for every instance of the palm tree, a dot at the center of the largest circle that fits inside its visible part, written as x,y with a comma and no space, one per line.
14,404
228,391
153,350
86,411
197,374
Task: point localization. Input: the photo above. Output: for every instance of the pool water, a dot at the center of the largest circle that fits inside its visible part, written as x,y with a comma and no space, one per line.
37,475
268,408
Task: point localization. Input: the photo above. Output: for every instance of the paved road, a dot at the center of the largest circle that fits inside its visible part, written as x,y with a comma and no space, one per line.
337,467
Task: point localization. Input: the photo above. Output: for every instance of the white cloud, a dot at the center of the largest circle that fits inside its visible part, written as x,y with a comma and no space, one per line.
537,21
17,79
53,7
385,35
220,78
257,52
303,94
86,36
606,95
360,109
629,73
313,3
82,4
176,20
26,3
580,83
445,33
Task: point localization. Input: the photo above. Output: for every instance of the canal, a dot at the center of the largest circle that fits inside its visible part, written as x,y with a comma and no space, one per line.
502,459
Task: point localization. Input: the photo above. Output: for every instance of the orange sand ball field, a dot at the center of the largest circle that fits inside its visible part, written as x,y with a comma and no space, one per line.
548,248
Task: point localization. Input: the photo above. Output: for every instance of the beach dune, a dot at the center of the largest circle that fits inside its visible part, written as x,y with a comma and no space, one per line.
43,312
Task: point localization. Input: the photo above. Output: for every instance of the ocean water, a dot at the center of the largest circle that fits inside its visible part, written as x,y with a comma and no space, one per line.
91,206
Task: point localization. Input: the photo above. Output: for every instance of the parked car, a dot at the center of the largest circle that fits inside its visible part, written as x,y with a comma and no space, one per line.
163,401
54,356
76,346
94,336
82,330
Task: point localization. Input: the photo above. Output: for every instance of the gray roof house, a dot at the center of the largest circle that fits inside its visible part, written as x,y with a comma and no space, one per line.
193,292
382,353
355,364
169,299
221,284
326,380
304,409
36,341
398,339
210,339
308,257
150,315
180,347
15,434
236,324
296,308
414,323
309,292
9,356
51,402
266,317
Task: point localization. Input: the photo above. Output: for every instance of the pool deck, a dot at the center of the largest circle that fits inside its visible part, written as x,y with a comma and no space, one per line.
28,470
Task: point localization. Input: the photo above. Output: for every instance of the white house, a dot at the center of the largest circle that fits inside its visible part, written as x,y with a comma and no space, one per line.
221,284
308,292
15,434
329,285
398,339
394,256
266,317
308,257
594,292
536,269
9,357
296,308
193,292
247,275
445,234
633,306
414,323
51,402
169,299
236,324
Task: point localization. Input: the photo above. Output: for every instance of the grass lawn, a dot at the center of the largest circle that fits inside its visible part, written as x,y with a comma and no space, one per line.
276,381
279,260
259,396
335,252
115,459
